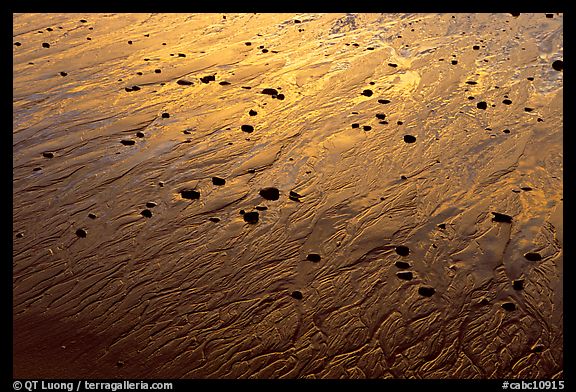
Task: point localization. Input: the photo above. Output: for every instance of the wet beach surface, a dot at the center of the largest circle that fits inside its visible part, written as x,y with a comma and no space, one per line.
287,195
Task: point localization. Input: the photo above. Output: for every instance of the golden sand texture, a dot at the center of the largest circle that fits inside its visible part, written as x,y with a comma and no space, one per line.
287,195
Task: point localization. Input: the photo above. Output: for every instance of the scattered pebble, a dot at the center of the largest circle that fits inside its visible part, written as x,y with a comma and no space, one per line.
476,47
17,43
82,233
518,284
270,91
247,128
442,226
218,181
280,97
151,204
506,131
405,275
508,306
261,208
314,257
181,55
140,134
355,125
558,65
482,105
214,219
165,115
190,194
127,142
207,79
402,250
183,82
251,217
367,127
454,62
392,65
224,83
48,154
537,348
297,295
402,264
471,82
528,109
367,93
498,217
533,256
45,45
383,101
507,102
380,116
252,112
92,215
270,193
146,213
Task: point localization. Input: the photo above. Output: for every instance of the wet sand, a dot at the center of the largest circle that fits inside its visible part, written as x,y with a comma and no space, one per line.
287,196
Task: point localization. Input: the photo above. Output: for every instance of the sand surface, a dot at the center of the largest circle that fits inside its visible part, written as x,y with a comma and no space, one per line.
412,225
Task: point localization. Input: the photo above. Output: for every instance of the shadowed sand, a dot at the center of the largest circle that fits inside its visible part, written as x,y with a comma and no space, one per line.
287,195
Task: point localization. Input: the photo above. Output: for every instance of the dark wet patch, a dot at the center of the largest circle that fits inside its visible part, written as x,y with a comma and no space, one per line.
518,284
247,128
208,79
402,250
146,213
558,65
92,215
296,295
392,65
507,102
63,73
214,219
533,256
426,291
184,82
82,233
498,217
251,217
48,154
314,257
380,116
165,115
355,125
528,109
190,194
151,204
383,101
127,142
402,264
508,306
366,127
270,91
270,193
218,181
367,93
252,112
482,105
405,275
409,138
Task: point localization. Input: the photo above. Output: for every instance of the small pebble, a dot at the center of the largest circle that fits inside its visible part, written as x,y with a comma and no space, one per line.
218,181
251,217
146,213
314,257
533,256
297,295
81,233
426,291
402,250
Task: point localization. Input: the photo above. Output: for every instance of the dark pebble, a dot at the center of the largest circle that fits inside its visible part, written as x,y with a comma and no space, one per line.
383,122
383,101
403,177
402,250
355,125
218,181
247,128
297,295
549,15
63,74
442,226
129,42
48,154
270,91
498,217
83,21
139,134
366,127
518,284
135,88
558,65
224,83
242,212
508,306
183,82
45,45
367,93
380,116
471,98
540,120
247,43
251,171
402,264
538,348
81,233
251,217
507,102
533,256
146,213
506,131
37,169
19,235
294,194
399,123
482,105
139,73
392,65
214,219
280,97
252,112
409,138
528,109
120,363
165,115
247,87
297,21
127,142
181,55
92,215
471,82
151,204
426,291
261,208
264,50
190,194
454,62
530,78
405,275
526,188
207,79
314,257
270,193
476,47
17,43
